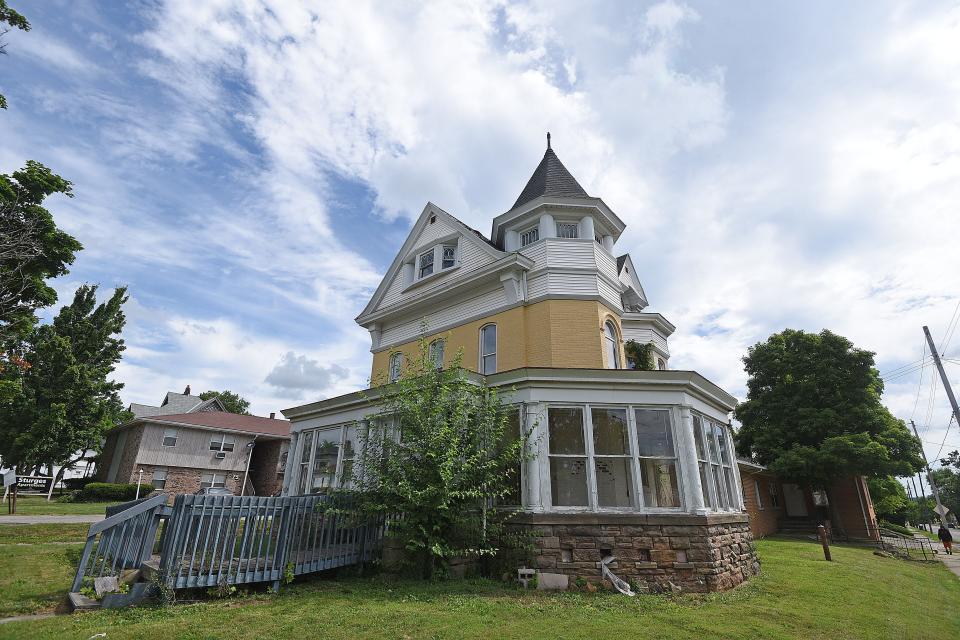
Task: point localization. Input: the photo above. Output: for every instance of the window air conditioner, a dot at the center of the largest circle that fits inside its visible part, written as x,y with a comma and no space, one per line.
220,455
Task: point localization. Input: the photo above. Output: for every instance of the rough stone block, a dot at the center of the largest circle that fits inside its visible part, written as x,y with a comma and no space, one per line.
553,581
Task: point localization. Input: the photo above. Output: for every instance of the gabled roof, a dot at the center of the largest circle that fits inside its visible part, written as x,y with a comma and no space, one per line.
470,234
550,178
627,273
229,422
176,403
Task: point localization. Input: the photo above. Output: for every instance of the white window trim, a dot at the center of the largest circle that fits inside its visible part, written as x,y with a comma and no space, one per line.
224,440
533,229
547,489
496,349
395,366
565,223
436,251
614,341
338,479
441,344
420,267
175,436
756,488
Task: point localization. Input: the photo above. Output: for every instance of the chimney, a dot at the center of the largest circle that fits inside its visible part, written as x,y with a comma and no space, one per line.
186,391
273,414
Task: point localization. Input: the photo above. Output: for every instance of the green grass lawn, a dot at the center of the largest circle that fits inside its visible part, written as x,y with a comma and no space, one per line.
35,577
38,506
799,595
40,533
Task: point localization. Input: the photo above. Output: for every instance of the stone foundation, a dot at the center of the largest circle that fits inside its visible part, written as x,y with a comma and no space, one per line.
656,553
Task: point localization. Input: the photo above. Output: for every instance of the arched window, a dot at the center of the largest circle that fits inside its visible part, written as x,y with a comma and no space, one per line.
612,345
488,349
661,364
436,352
396,364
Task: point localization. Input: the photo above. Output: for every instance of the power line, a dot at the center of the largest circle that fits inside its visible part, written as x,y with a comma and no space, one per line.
951,327
923,357
944,437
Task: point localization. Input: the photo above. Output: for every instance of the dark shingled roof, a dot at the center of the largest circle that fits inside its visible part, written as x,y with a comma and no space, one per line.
620,261
551,178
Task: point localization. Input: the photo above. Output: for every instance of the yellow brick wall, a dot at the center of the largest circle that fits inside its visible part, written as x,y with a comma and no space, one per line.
552,333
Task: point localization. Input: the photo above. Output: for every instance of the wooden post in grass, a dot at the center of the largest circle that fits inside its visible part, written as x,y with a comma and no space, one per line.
822,532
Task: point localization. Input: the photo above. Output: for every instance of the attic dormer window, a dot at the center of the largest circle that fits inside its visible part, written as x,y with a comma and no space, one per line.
529,236
444,255
568,230
425,264
449,256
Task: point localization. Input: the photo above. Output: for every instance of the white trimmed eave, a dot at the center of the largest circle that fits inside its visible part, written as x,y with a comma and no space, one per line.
659,323
445,289
609,221
602,379
409,245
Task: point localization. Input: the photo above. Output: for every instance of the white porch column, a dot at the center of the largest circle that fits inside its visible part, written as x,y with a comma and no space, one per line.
608,243
687,456
291,460
535,424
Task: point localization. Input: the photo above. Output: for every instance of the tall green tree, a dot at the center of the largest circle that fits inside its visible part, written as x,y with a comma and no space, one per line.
813,412
447,452
890,501
13,20
67,399
32,247
232,402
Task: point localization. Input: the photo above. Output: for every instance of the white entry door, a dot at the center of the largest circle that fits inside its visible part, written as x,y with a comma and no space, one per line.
794,501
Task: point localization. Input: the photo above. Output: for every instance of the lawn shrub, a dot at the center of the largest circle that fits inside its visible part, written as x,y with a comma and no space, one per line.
76,484
69,496
107,491
895,527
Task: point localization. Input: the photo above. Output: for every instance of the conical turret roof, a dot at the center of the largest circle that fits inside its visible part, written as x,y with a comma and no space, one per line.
550,178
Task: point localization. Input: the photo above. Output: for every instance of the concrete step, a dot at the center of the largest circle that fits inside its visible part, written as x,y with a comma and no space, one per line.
80,602
149,569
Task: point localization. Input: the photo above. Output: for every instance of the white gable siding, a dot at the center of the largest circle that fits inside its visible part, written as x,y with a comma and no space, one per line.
470,256
483,304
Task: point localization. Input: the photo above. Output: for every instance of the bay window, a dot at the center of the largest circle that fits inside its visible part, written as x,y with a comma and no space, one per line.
612,458
658,460
717,472
568,458
612,461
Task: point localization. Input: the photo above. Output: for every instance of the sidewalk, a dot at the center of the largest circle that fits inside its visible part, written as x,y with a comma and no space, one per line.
952,561
69,519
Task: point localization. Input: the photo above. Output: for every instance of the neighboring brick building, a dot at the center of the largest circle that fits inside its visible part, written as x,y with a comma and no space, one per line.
203,446
761,498
774,506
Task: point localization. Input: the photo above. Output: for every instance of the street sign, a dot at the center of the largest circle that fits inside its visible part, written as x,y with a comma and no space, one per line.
9,478
34,484
941,510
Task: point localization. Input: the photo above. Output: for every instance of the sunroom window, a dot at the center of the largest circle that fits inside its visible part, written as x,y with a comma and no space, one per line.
612,462
568,458
717,474
658,461
703,463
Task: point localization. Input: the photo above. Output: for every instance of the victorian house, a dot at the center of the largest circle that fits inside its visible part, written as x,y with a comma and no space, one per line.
629,462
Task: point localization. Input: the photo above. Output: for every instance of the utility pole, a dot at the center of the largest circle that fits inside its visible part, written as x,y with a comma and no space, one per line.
953,406
933,486
943,376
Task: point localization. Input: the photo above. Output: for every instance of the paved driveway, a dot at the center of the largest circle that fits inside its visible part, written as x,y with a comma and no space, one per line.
71,519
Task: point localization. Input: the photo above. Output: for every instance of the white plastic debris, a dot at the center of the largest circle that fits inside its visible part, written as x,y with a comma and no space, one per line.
620,585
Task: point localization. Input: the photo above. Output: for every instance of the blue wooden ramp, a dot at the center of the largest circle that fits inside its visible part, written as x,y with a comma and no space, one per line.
205,541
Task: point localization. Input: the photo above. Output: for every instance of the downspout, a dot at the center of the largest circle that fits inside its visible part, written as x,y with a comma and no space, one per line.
250,445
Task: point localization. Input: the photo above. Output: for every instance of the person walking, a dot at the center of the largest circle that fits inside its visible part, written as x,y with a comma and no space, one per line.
946,538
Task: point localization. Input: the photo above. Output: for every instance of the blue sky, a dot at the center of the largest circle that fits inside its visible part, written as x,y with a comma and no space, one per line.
249,168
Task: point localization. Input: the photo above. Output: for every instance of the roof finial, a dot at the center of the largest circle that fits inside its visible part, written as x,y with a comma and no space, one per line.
548,139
